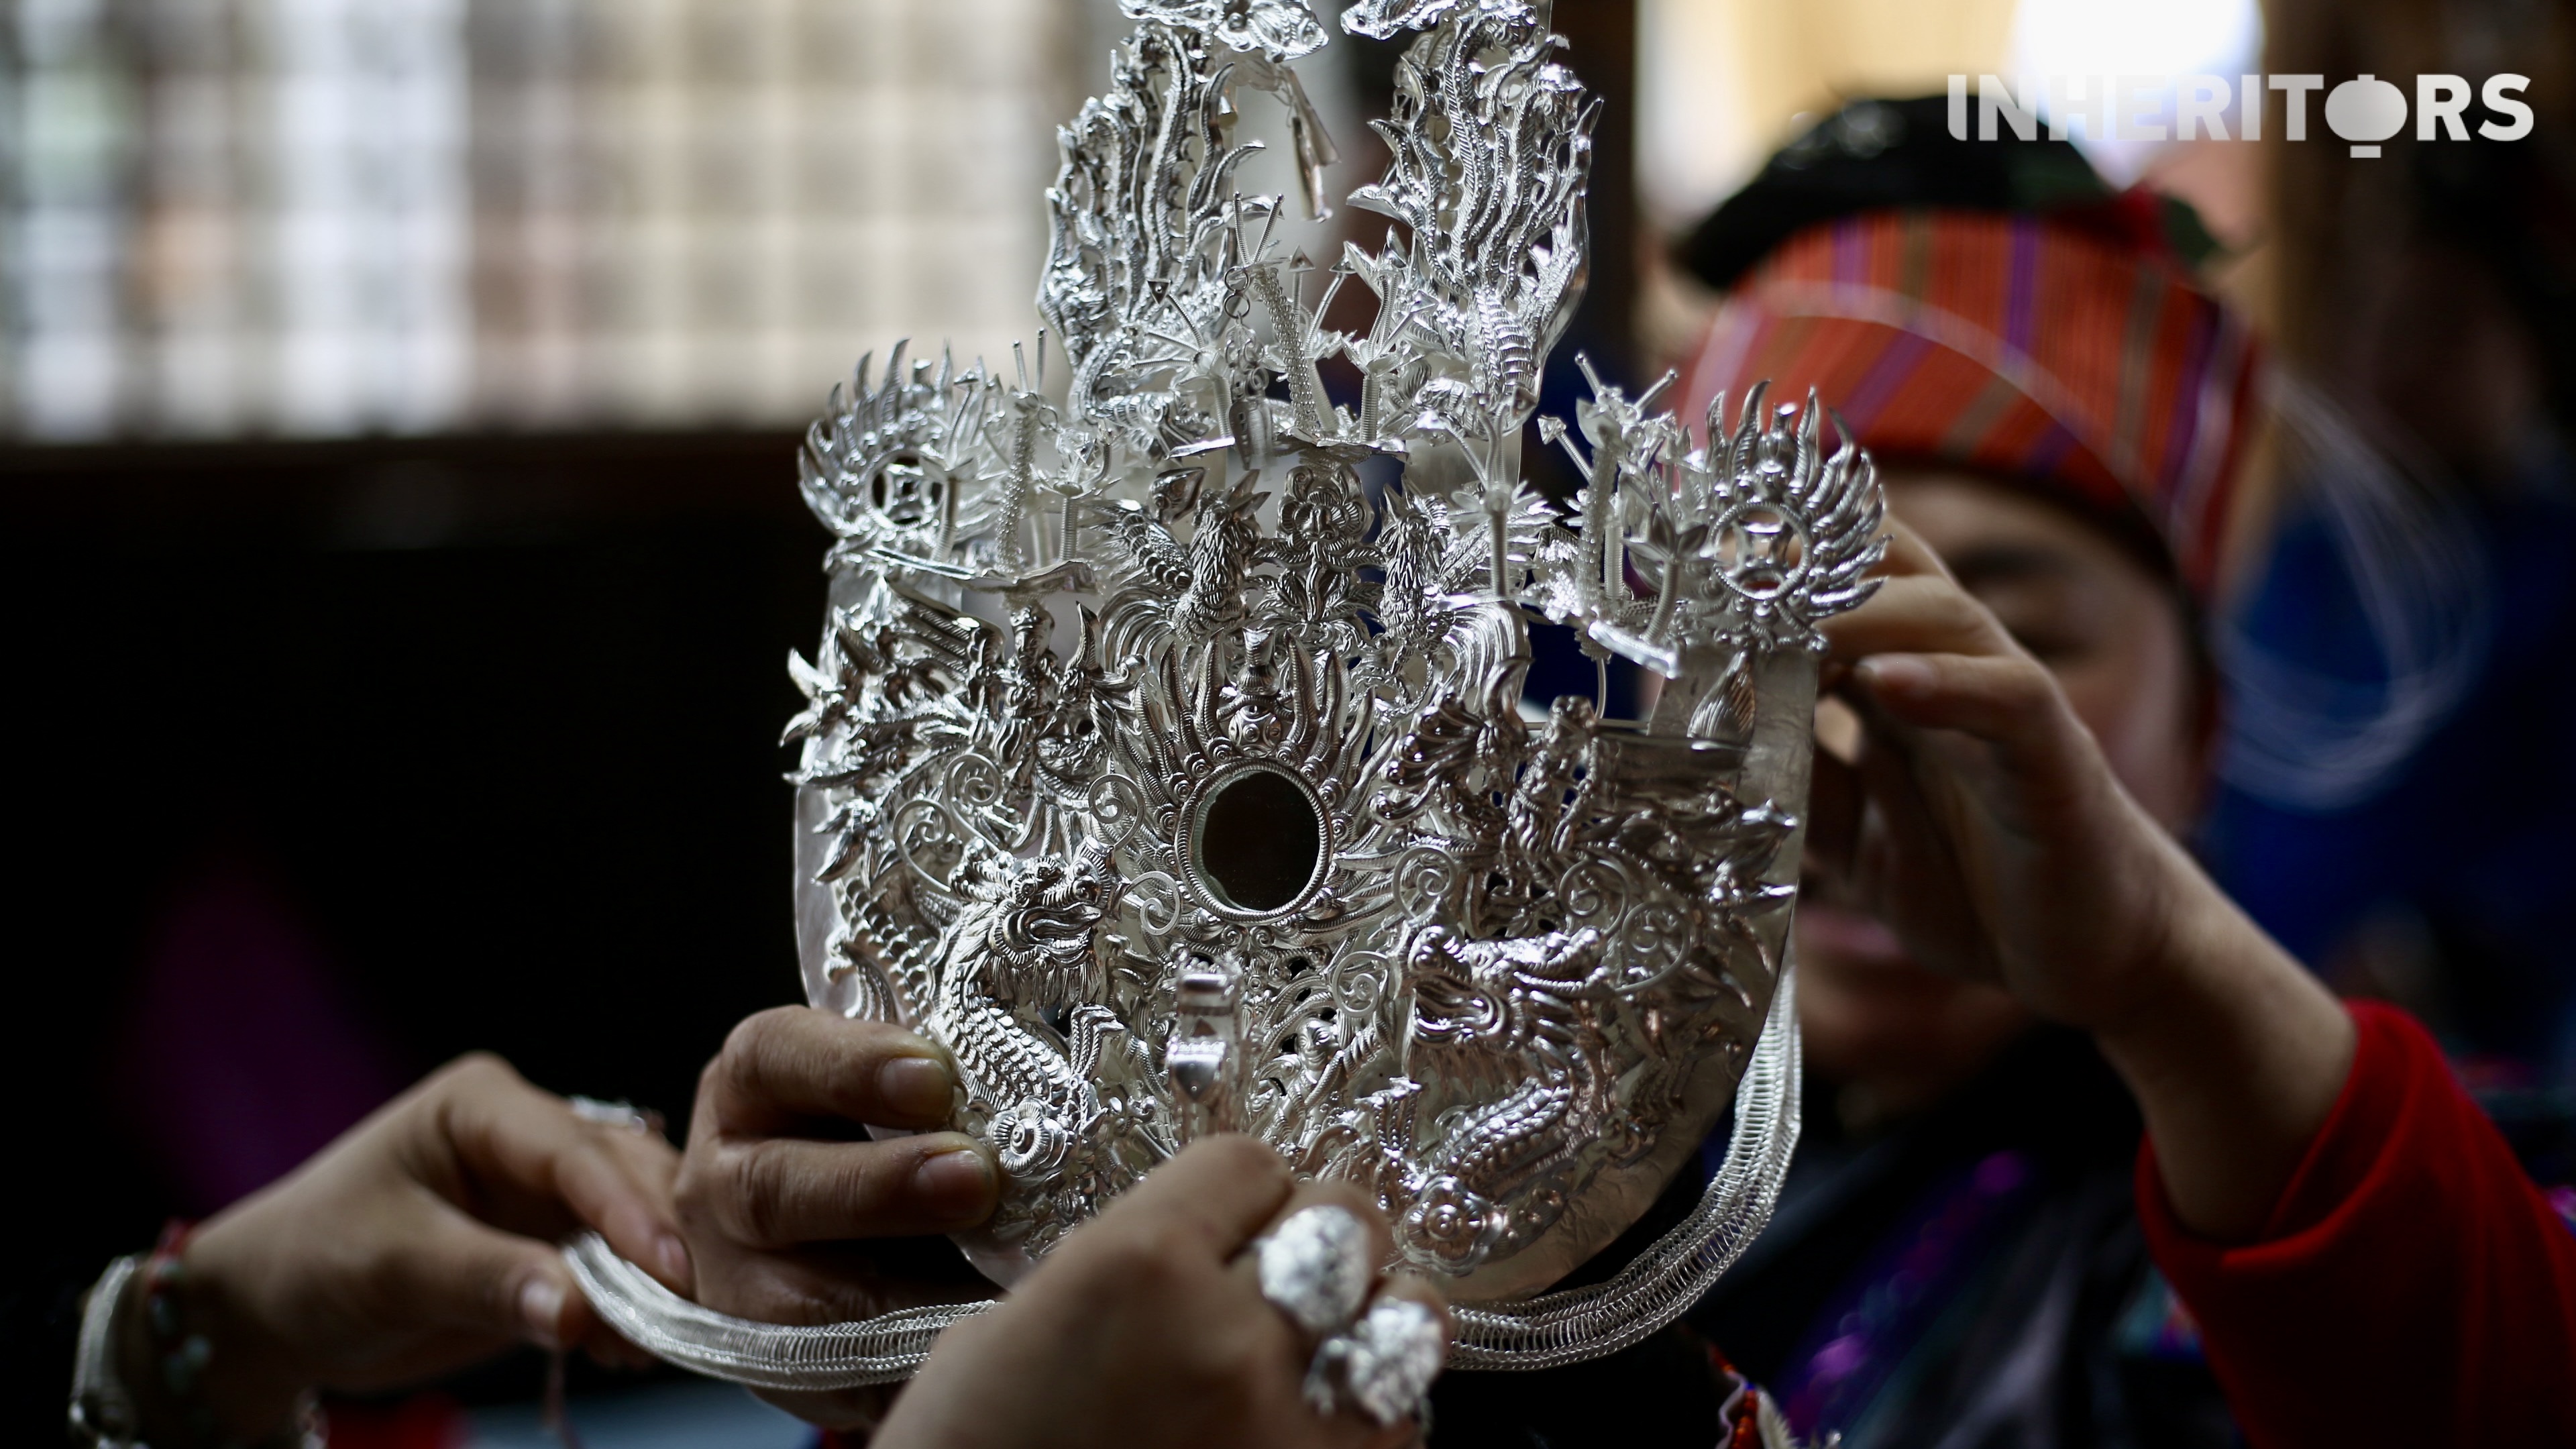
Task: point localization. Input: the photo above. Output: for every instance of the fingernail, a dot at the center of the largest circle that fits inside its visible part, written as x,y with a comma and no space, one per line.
957,1185
1896,674
541,1305
917,1087
674,1258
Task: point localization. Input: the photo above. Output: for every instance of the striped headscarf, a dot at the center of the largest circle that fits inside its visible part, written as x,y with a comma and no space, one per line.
2066,359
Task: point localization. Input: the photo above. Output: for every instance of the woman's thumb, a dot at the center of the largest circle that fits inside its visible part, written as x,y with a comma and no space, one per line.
474,1277
543,1302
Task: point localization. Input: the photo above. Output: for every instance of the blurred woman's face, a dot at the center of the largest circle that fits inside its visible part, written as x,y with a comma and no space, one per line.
1893,1034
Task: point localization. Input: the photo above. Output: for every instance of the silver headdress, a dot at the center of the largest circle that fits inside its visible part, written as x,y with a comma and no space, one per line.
1166,757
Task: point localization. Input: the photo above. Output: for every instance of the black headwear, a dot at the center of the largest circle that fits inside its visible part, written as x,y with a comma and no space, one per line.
1875,155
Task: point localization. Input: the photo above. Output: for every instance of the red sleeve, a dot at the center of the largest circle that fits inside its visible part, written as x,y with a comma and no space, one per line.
2412,1287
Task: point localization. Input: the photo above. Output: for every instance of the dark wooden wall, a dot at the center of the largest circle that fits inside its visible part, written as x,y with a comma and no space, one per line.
489,723
1601,45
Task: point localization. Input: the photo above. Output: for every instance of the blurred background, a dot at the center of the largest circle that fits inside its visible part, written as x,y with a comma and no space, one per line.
398,405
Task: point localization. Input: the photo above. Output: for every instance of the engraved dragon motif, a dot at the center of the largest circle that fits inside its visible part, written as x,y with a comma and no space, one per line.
1021,966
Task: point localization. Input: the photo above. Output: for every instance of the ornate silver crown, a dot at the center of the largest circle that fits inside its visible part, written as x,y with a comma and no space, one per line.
1167,757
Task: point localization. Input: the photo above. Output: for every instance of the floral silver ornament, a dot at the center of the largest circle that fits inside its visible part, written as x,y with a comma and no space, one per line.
1165,755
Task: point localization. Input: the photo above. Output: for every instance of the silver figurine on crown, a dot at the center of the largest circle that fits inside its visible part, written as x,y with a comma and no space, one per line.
1167,760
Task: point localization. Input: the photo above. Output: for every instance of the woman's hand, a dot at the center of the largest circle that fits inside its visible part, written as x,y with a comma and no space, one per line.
1148,1328
1980,821
793,1216
420,1241
1978,818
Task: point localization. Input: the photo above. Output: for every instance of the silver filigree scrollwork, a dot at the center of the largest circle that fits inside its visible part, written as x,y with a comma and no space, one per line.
1169,765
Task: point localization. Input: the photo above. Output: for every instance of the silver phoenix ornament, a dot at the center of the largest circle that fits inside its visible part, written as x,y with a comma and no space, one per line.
1166,757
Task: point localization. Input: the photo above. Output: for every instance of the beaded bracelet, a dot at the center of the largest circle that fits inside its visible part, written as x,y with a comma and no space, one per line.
182,1354
103,1410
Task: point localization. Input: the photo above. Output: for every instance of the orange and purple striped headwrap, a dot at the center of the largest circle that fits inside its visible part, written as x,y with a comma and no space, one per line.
2058,357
